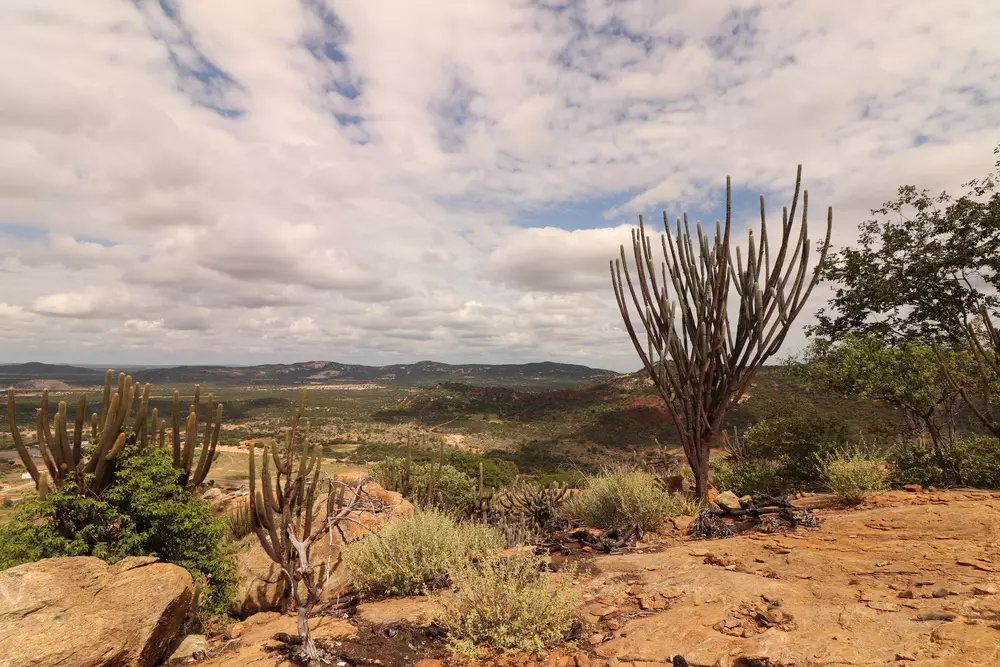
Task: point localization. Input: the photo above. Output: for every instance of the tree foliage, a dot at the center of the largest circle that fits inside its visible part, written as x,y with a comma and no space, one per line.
906,375
923,265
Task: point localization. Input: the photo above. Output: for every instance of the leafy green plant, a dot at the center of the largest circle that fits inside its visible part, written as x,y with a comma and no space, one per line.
413,554
751,477
622,498
913,463
853,474
146,511
510,603
978,459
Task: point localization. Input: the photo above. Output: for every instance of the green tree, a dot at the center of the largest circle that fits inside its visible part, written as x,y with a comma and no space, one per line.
923,265
906,375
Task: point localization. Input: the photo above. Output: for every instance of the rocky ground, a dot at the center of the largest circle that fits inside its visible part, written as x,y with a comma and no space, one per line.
910,579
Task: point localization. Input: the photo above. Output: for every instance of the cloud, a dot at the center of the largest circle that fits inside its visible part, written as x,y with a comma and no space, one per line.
226,182
556,260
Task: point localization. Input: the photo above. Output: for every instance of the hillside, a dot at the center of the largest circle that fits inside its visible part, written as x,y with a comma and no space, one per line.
542,374
602,421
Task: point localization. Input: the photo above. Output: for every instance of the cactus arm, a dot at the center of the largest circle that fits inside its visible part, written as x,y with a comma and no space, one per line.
22,451
105,397
176,417
142,411
81,411
43,447
208,451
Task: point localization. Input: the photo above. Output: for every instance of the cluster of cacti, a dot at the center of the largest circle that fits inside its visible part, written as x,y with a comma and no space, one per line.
124,415
538,502
737,447
699,361
421,492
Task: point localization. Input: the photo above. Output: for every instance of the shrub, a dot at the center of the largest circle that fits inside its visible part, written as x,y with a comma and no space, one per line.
510,603
412,554
622,498
852,474
459,489
238,522
915,464
496,472
571,478
748,478
145,512
978,460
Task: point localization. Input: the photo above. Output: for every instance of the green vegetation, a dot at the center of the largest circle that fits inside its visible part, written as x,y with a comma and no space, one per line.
914,273
147,511
510,603
413,554
623,498
853,475
750,477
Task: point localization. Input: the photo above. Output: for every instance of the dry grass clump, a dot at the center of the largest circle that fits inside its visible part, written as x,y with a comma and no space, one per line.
853,475
412,554
622,498
509,603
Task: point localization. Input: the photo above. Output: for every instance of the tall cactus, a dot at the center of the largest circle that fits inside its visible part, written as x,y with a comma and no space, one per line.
701,364
282,516
91,465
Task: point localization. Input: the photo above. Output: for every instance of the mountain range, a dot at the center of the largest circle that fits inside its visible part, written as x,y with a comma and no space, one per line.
306,373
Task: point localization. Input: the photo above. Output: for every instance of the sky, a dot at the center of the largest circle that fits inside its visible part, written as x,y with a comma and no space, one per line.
386,181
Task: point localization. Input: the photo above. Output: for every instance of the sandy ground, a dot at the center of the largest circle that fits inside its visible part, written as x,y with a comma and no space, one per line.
909,580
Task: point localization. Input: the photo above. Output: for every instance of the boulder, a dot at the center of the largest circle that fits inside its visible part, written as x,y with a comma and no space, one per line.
260,584
83,612
191,650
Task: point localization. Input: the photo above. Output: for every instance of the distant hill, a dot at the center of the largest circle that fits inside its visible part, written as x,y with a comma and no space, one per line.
541,374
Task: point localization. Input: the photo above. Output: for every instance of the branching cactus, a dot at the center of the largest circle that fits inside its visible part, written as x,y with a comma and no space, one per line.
700,361
124,414
283,517
540,503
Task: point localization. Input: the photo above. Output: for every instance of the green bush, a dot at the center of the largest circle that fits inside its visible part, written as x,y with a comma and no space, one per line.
496,472
510,603
571,478
412,554
622,498
915,464
145,512
852,474
748,478
978,461
459,489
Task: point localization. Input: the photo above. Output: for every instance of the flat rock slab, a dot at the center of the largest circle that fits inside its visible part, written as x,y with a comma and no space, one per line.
82,612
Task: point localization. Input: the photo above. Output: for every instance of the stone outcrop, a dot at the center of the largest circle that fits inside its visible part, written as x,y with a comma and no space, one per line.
260,584
83,612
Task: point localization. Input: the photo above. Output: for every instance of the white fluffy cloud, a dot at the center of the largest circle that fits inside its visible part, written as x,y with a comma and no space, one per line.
222,181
